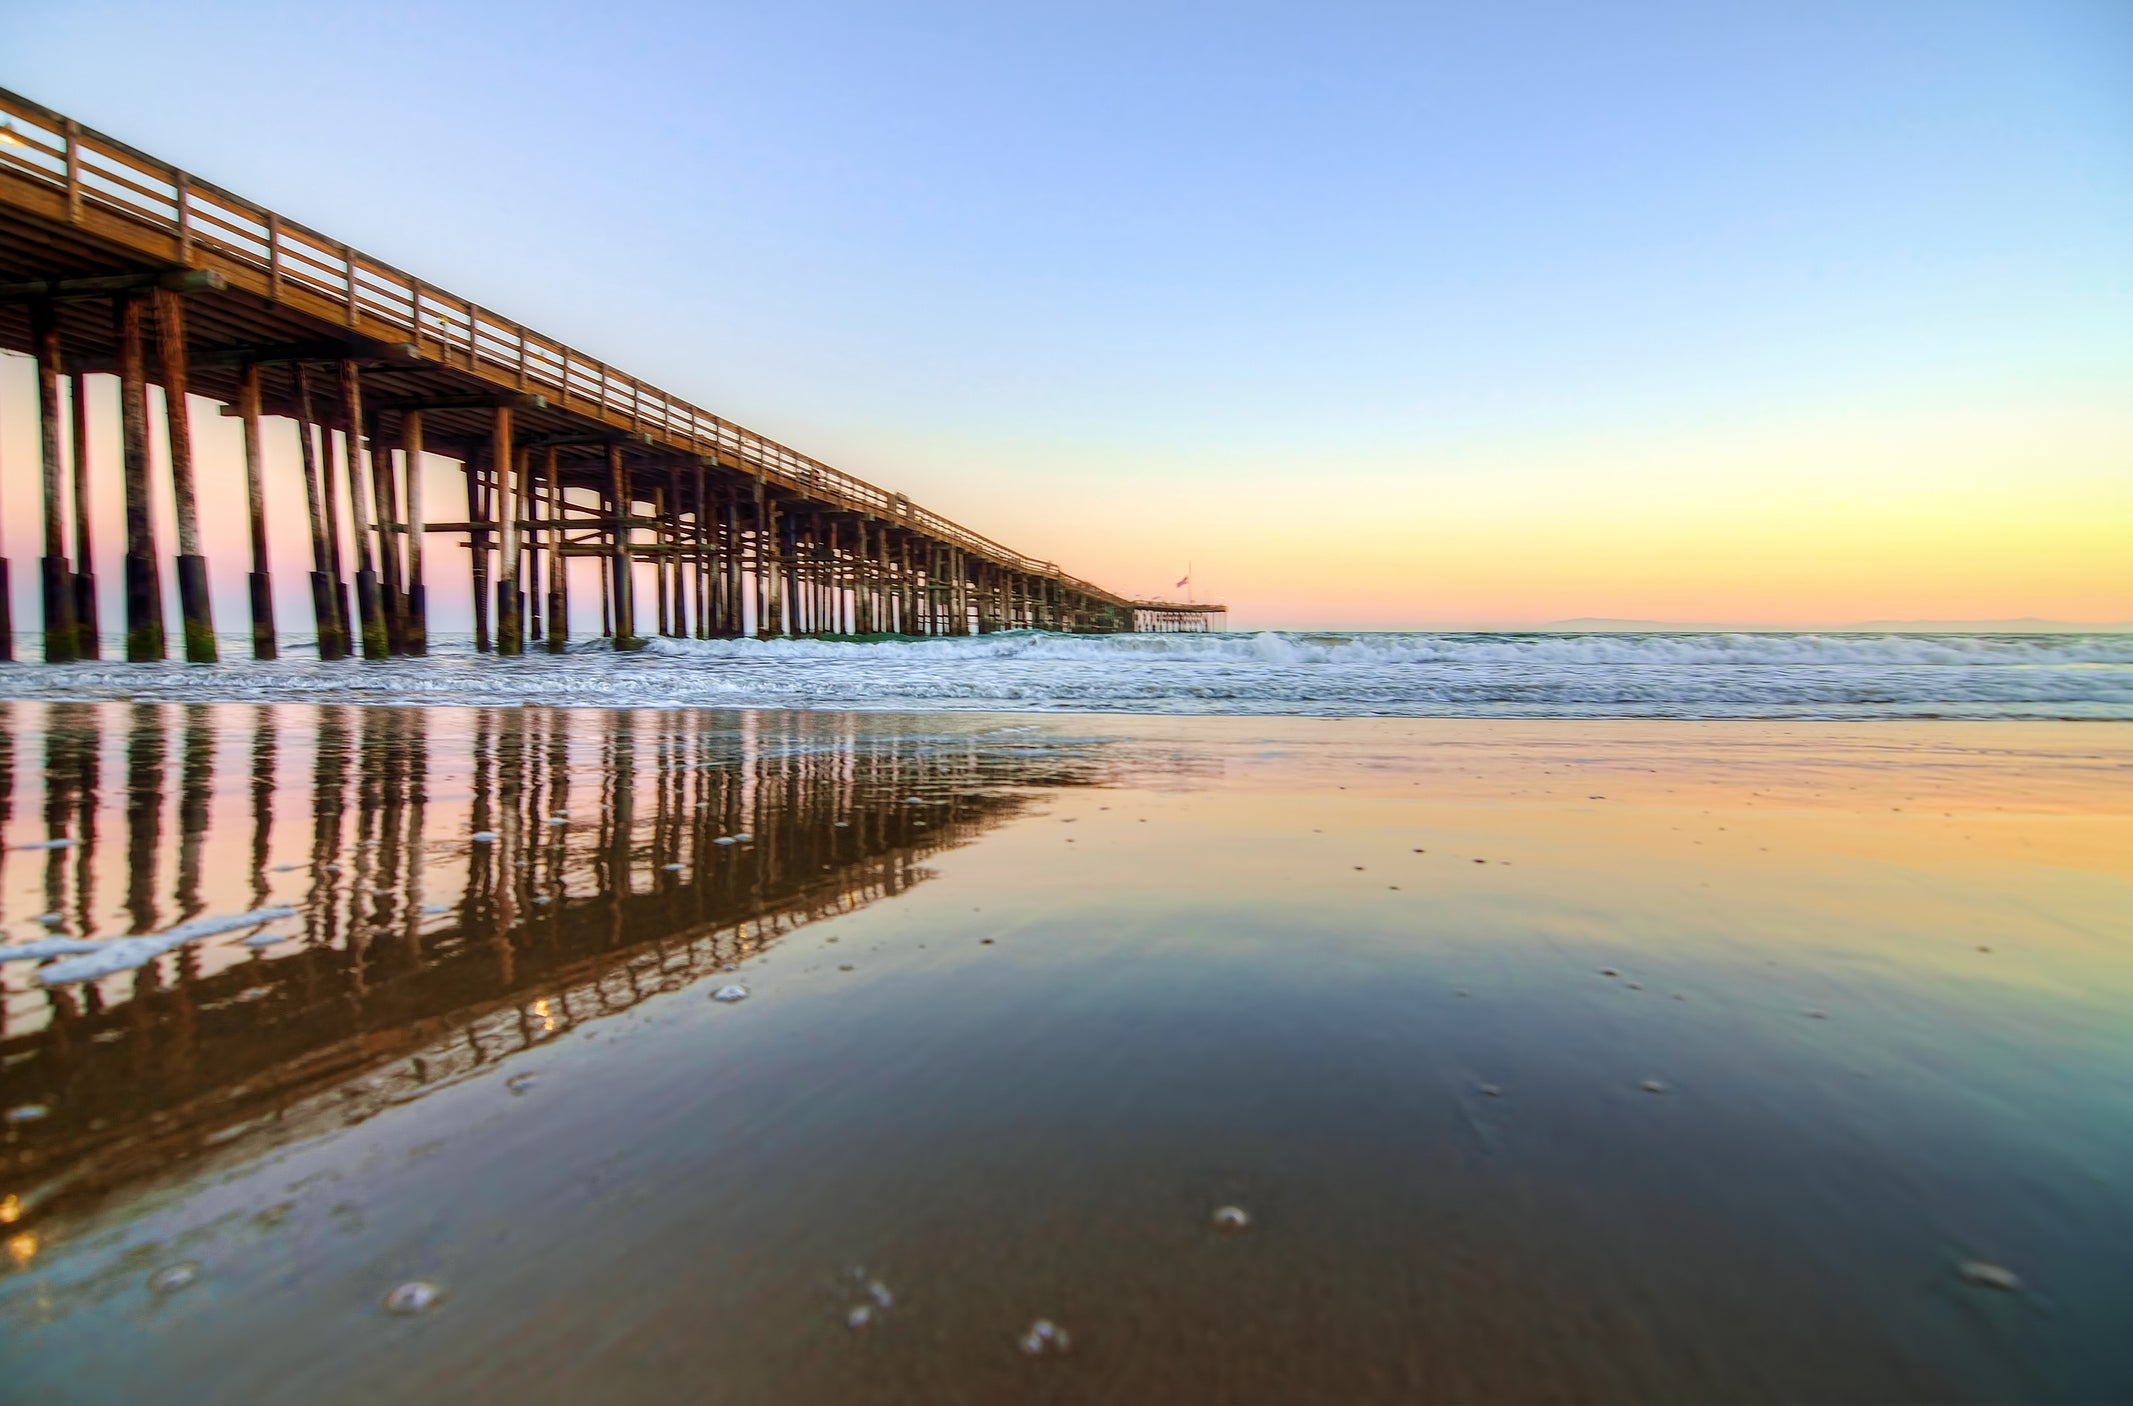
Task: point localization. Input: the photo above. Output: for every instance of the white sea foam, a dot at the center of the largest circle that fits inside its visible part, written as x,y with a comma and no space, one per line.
1690,675
90,960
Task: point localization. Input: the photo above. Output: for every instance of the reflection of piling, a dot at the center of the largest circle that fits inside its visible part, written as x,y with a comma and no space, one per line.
196,777
377,999
144,812
263,753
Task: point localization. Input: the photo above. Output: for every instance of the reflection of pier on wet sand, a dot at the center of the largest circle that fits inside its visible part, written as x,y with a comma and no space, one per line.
631,854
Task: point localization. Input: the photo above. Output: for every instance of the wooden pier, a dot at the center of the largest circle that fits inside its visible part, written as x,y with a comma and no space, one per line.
115,263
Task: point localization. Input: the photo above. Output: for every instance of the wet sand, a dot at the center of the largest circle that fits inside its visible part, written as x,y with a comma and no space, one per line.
1550,1061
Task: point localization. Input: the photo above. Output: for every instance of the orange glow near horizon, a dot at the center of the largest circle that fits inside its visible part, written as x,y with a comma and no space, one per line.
1979,516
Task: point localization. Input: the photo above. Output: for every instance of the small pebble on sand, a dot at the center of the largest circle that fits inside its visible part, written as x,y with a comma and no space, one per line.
1987,1275
1044,1338
173,1277
413,1297
730,994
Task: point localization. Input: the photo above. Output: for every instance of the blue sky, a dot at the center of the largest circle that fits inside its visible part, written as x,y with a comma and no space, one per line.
1372,311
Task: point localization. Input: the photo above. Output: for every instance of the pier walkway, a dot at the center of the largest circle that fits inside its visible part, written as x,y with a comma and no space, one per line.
115,263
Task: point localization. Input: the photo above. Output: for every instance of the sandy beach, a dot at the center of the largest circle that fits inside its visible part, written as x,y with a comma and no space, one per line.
1545,1060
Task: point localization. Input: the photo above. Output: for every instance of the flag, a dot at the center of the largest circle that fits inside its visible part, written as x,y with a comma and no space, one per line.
1185,580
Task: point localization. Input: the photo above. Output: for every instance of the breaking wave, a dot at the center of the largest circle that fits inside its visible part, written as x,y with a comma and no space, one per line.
1679,675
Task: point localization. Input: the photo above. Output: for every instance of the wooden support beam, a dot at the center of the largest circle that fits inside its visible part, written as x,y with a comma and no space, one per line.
105,285
418,609
359,349
144,582
501,400
330,625
370,604
625,625
195,607
702,536
676,576
510,475
478,546
558,575
61,644
260,581
88,642
386,500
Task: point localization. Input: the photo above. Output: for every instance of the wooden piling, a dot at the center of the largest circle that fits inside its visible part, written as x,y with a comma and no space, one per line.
760,551
676,584
370,605
195,608
478,545
703,533
510,471
532,603
385,499
619,501
264,644
55,577
325,568
661,556
87,641
418,619
558,607
144,582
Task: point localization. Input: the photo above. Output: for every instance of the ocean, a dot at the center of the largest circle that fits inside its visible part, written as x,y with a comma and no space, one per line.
1685,675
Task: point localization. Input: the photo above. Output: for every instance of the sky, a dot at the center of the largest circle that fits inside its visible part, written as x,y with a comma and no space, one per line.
1378,315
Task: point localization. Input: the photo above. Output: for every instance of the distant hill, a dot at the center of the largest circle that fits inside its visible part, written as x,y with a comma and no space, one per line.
2024,625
